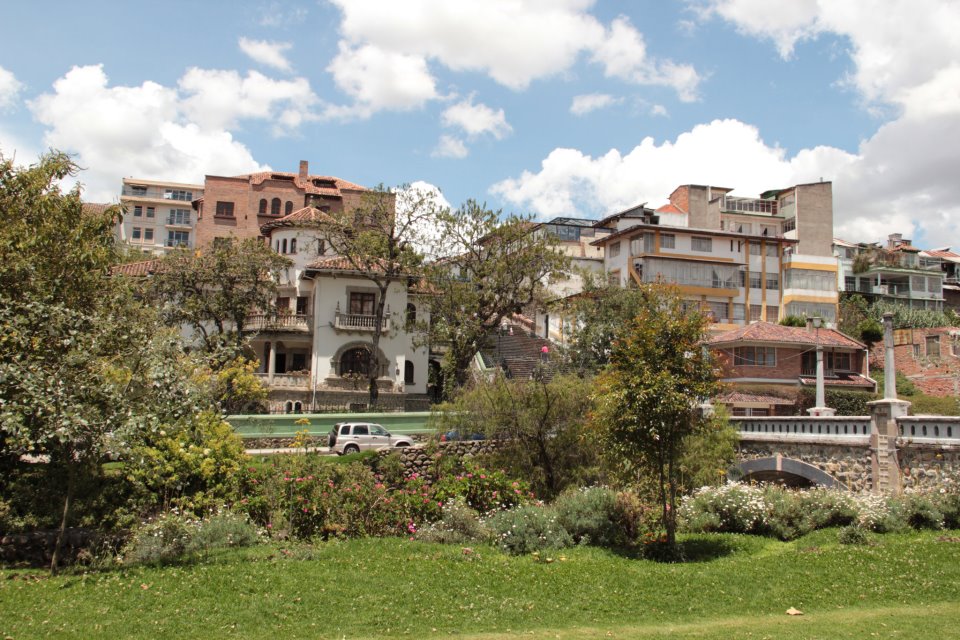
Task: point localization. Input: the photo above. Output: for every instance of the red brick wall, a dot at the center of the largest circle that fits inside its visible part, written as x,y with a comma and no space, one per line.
934,376
680,198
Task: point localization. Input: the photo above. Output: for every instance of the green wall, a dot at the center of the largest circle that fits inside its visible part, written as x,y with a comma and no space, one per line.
258,426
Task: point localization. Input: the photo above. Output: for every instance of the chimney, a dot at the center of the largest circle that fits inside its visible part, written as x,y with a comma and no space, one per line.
893,240
304,170
809,320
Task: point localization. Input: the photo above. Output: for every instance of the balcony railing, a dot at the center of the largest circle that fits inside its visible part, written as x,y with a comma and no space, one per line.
284,322
748,205
286,380
358,322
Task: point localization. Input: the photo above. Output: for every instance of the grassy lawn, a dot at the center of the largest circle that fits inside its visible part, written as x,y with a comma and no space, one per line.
904,586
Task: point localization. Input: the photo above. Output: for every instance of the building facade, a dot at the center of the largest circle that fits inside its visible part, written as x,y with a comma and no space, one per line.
159,215
897,272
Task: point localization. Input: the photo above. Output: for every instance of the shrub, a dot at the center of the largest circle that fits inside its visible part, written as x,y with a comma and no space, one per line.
482,489
457,525
633,518
589,515
732,508
949,505
160,540
828,508
526,529
852,534
875,514
919,510
786,514
222,530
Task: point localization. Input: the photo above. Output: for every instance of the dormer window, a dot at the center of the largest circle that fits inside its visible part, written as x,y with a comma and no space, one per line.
324,184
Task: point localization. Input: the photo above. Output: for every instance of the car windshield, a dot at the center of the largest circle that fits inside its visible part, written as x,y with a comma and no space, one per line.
377,430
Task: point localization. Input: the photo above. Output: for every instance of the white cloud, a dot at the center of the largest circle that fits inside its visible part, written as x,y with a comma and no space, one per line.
378,79
659,110
512,42
584,104
901,180
450,147
476,119
277,14
219,99
10,89
12,146
421,200
270,54
138,131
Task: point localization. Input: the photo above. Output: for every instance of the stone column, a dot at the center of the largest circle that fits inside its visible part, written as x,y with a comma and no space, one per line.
889,363
884,429
272,362
821,408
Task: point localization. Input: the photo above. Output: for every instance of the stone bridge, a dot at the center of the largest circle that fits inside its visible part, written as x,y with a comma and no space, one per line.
860,453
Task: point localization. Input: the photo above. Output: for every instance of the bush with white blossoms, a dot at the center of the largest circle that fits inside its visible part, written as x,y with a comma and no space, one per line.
730,508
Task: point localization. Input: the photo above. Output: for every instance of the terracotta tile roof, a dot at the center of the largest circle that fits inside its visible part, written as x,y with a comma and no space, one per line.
94,208
733,397
943,254
308,185
839,380
670,208
335,264
770,332
136,269
301,217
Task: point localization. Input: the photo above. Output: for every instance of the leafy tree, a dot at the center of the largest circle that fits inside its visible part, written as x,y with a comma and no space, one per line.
491,267
647,397
234,386
708,453
379,239
539,426
214,290
84,368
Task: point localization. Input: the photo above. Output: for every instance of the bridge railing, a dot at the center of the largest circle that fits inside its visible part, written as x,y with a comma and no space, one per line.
930,428
803,426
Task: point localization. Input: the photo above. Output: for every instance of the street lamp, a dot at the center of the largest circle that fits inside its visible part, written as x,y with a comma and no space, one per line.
820,408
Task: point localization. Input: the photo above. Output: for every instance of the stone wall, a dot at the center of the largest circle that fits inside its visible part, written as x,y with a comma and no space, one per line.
419,460
851,466
929,467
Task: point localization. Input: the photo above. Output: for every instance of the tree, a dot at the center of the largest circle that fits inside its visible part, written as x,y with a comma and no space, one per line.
84,367
491,267
379,239
539,425
648,396
214,290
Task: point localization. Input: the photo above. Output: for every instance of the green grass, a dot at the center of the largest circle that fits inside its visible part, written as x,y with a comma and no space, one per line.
901,586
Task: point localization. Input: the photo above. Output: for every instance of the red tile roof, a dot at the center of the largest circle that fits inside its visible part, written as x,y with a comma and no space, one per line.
839,380
770,332
136,269
302,217
336,264
670,208
943,254
733,397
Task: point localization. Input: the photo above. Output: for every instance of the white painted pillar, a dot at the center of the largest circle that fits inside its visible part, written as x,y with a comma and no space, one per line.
272,362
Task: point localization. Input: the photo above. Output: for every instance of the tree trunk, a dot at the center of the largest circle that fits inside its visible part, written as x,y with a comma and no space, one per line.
67,504
374,373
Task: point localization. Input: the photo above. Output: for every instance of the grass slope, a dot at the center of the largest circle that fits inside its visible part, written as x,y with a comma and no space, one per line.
902,586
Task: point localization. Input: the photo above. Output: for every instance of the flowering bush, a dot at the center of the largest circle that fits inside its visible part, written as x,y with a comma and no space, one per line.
173,536
589,515
731,508
457,525
482,489
526,529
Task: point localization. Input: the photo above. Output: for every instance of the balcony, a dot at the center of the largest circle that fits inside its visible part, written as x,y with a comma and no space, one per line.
748,205
286,380
301,323
358,322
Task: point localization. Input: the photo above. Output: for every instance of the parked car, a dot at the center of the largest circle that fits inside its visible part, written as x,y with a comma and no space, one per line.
351,437
450,436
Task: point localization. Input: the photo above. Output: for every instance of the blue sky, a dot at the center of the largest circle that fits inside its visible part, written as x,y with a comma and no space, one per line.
547,107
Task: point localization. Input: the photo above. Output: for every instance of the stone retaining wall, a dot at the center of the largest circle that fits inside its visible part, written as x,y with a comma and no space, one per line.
419,460
850,466
929,467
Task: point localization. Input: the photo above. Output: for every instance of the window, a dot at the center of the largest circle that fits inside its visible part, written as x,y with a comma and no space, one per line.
179,216
755,356
356,360
933,285
224,209
755,280
810,279
754,248
613,278
136,233
756,311
408,372
701,244
138,190
362,303
377,430
773,313
361,430
411,313
293,245
772,250
738,312
148,235
744,227
636,245
151,212
716,311
299,362
769,230
789,224
833,361
178,194
283,244
275,207
933,346
668,241
321,247
564,232
263,207
826,311
614,249
773,281
137,211
916,350
283,305
850,283
303,303
288,208
179,238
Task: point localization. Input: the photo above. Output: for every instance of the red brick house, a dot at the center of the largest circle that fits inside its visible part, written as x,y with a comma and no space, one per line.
765,365
929,358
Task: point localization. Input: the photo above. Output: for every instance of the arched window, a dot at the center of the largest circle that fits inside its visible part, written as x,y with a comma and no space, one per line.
283,243
293,245
411,313
297,407
288,208
288,407
275,207
356,360
263,206
408,372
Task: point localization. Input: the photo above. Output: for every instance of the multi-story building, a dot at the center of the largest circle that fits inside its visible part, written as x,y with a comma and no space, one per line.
950,263
898,272
238,206
159,215
741,259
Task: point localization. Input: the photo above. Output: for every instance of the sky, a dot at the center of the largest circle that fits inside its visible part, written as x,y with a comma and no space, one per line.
541,107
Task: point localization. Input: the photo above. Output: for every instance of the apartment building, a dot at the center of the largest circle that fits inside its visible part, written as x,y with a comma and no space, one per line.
897,272
741,259
159,215
238,206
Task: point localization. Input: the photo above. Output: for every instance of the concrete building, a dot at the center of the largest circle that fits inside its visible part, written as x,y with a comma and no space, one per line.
159,215
238,206
897,272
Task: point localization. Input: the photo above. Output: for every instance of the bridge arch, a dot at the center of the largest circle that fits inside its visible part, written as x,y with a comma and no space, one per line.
794,473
